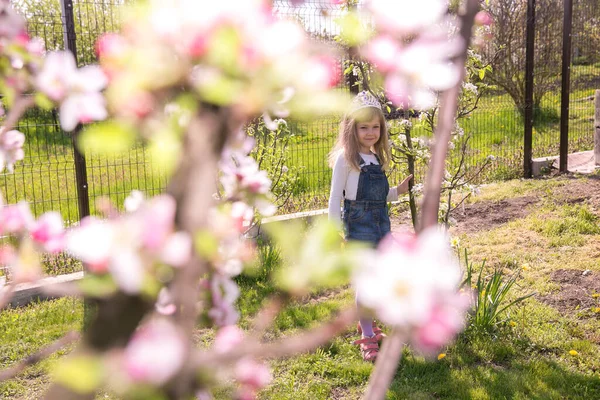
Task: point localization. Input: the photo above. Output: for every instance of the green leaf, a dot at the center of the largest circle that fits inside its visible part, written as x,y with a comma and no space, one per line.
206,244
82,374
353,32
97,285
481,74
107,138
43,101
165,150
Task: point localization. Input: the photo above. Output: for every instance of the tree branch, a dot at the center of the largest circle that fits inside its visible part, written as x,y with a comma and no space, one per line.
388,358
282,348
22,103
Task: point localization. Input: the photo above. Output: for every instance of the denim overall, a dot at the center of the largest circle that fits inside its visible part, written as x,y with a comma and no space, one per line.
366,218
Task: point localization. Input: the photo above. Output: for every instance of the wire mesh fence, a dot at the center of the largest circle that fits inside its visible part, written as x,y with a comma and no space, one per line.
46,178
585,74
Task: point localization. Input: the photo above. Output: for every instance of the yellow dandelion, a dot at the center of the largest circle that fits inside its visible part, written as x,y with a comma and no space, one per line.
596,309
441,355
525,267
573,352
483,293
596,295
512,323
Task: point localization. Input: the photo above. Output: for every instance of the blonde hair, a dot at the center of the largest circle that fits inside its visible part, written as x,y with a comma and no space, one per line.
347,141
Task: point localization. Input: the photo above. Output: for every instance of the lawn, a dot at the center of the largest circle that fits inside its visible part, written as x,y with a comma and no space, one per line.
46,177
548,347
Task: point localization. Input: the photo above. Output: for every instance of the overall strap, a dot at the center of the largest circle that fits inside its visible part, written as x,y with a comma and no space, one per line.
360,160
378,159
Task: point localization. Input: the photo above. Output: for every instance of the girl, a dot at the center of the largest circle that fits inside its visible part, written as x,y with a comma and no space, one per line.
359,161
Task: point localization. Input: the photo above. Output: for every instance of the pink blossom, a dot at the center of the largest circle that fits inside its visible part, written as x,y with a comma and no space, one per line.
53,80
397,90
92,242
320,73
241,214
127,269
281,38
48,230
253,179
224,294
197,46
158,219
243,174
11,23
444,322
426,63
228,338
11,148
82,108
78,90
15,218
36,46
164,303
155,353
483,18
252,376
110,45
406,16
404,282
383,51
177,249
134,201
112,50
8,255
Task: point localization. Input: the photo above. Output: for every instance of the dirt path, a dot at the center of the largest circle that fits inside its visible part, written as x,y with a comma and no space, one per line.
576,288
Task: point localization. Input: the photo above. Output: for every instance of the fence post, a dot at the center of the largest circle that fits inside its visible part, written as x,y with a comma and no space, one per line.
566,83
597,127
528,123
70,39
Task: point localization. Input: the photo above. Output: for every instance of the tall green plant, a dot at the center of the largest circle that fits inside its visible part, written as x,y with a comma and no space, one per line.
492,299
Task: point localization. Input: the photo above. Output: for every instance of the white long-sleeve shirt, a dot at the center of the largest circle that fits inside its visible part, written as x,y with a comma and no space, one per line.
345,180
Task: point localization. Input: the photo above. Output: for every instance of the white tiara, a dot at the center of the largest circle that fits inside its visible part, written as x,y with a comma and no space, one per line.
363,100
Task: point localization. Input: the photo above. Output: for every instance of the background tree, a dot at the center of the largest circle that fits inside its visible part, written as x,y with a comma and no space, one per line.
506,51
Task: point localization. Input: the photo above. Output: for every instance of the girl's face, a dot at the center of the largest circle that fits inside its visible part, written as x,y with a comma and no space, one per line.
368,134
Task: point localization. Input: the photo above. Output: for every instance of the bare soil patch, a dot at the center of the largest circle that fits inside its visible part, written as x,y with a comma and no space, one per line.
576,291
574,297
580,191
483,216
487,215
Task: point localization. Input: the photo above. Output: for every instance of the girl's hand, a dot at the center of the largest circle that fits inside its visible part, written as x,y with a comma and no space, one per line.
403,186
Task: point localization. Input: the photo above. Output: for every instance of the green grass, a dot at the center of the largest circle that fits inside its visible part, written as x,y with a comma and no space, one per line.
47,176
23,331
526,359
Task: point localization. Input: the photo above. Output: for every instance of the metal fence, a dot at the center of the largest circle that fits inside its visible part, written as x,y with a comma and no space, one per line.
51,178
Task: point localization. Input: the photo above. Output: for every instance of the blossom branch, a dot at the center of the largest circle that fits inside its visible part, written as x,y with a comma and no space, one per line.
22,104
192,187
284,347
45,352
268,313
449,104
389,356
391,346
